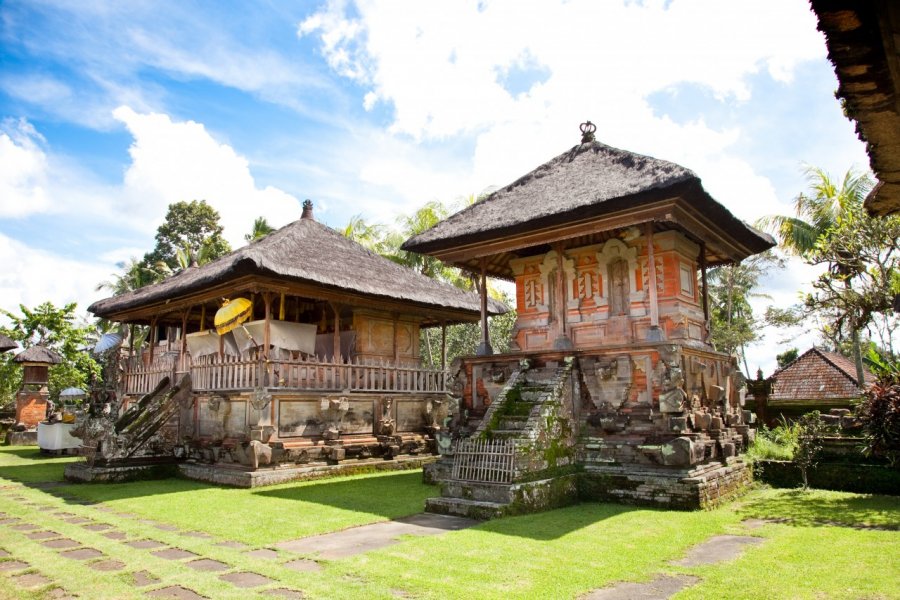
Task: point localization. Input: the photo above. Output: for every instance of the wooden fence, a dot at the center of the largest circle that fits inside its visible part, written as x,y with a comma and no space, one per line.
234,373
484,461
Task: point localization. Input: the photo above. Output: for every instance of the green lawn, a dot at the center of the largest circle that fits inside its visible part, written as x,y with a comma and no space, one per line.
814,552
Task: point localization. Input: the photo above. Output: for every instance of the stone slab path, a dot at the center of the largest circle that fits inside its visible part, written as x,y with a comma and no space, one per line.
716,549
357,540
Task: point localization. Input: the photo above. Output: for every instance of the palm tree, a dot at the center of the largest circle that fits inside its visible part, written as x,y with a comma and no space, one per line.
261,229
820,210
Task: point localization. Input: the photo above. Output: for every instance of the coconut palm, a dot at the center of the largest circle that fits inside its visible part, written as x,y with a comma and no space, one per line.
261,229
820,211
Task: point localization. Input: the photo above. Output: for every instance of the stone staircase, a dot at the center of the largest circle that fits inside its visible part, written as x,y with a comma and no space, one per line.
505,466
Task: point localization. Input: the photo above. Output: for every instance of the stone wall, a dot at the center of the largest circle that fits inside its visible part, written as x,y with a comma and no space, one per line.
31,408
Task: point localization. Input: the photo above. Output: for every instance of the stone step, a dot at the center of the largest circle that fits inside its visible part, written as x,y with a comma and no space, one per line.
482,492
460,507
506,434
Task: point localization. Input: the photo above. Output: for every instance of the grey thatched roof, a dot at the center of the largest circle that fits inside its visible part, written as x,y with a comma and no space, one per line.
38,354
589,180
6,343
305,251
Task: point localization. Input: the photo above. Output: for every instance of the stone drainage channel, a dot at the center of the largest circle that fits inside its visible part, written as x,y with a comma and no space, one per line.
330,546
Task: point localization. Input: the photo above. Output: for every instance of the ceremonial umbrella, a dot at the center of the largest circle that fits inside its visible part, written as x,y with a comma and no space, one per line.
232,314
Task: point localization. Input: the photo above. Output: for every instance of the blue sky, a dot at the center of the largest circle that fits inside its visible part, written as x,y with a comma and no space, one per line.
111,111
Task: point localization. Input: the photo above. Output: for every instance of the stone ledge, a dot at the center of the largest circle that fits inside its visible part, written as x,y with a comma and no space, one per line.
242,477
80,472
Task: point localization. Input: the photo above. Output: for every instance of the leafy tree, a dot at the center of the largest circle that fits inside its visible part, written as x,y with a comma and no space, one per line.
787,357
373,236
860,255
188,225
809,443
261,229
135,274
54,328
734,325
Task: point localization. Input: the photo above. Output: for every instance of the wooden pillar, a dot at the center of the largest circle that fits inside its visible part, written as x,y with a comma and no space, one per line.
267,333
336,353
281,308
651,278
484,348
561,341
704,290
183,350
443,345
396,341
153,336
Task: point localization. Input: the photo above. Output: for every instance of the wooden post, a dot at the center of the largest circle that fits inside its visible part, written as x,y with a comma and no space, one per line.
183,350
281,308
396,342
703,288
153,335
336,353
562,341
267,333
651,278
203,318
443,345
484,348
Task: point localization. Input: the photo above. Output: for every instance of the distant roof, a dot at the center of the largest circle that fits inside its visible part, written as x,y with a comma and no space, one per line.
6,343
863,39
305,251
590,180
816,376
38,354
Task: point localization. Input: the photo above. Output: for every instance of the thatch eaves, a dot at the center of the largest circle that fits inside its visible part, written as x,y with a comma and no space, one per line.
588,181
6,343
38,354
863,40
308,252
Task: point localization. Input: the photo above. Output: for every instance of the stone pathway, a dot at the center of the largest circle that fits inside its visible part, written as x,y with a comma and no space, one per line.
357,540
716,549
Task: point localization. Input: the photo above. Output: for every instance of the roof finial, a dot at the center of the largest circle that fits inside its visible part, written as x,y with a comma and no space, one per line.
307,210
587,132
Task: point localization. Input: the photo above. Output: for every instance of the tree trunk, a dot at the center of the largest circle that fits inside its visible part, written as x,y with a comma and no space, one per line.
857,356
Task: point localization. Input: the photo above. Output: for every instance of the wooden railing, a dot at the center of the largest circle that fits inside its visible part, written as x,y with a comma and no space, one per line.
142,379
233,373
482,460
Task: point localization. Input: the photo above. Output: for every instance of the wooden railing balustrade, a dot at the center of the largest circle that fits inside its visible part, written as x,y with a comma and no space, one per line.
236,373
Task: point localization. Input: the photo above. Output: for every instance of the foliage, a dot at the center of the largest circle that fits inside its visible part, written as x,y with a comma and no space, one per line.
777,443
56,329
188,225
734,325
809,443
859,252
261,229
787,357
879,410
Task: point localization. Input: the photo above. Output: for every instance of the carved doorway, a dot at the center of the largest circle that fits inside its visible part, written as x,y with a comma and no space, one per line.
618,288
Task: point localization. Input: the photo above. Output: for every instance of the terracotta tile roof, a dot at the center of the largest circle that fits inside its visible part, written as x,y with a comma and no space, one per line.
817,376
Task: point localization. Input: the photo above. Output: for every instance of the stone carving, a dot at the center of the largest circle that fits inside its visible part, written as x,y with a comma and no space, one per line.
260,398
334,410
386,424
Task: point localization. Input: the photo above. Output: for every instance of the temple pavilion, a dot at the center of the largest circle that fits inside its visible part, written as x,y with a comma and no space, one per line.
612,389
322,365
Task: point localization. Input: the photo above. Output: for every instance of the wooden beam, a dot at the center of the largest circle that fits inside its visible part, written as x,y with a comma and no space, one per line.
443,345
484,348
267,331
336,353
703,287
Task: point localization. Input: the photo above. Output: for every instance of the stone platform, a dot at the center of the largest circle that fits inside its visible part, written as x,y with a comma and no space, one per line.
21,438
81,472
243,477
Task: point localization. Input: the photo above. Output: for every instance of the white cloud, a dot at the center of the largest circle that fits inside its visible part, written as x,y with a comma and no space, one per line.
23,170
174,161
31,276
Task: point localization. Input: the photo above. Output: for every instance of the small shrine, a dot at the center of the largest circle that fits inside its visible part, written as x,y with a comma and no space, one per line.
611,389
33,397
297,351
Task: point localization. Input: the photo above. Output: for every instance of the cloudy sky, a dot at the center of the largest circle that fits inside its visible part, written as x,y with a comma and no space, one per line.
110,111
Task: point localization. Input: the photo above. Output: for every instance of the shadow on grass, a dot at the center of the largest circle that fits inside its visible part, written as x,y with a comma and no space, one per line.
554,524
29,465
823,508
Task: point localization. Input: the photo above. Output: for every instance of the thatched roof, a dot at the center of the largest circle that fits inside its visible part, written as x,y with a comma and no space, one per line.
7,343
817,376
38,354
308,252
863,40
589,181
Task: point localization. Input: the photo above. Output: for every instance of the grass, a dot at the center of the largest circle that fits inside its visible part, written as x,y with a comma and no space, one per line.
816,551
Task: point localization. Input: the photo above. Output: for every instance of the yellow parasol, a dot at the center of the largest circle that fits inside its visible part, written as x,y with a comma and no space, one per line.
232,314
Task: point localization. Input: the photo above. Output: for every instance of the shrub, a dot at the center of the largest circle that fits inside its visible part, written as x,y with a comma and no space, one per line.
879,412
774,444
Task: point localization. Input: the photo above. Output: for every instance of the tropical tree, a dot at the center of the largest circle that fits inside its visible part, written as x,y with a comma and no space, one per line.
261,229
373,236
187,225
56,329
734,326
832,229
